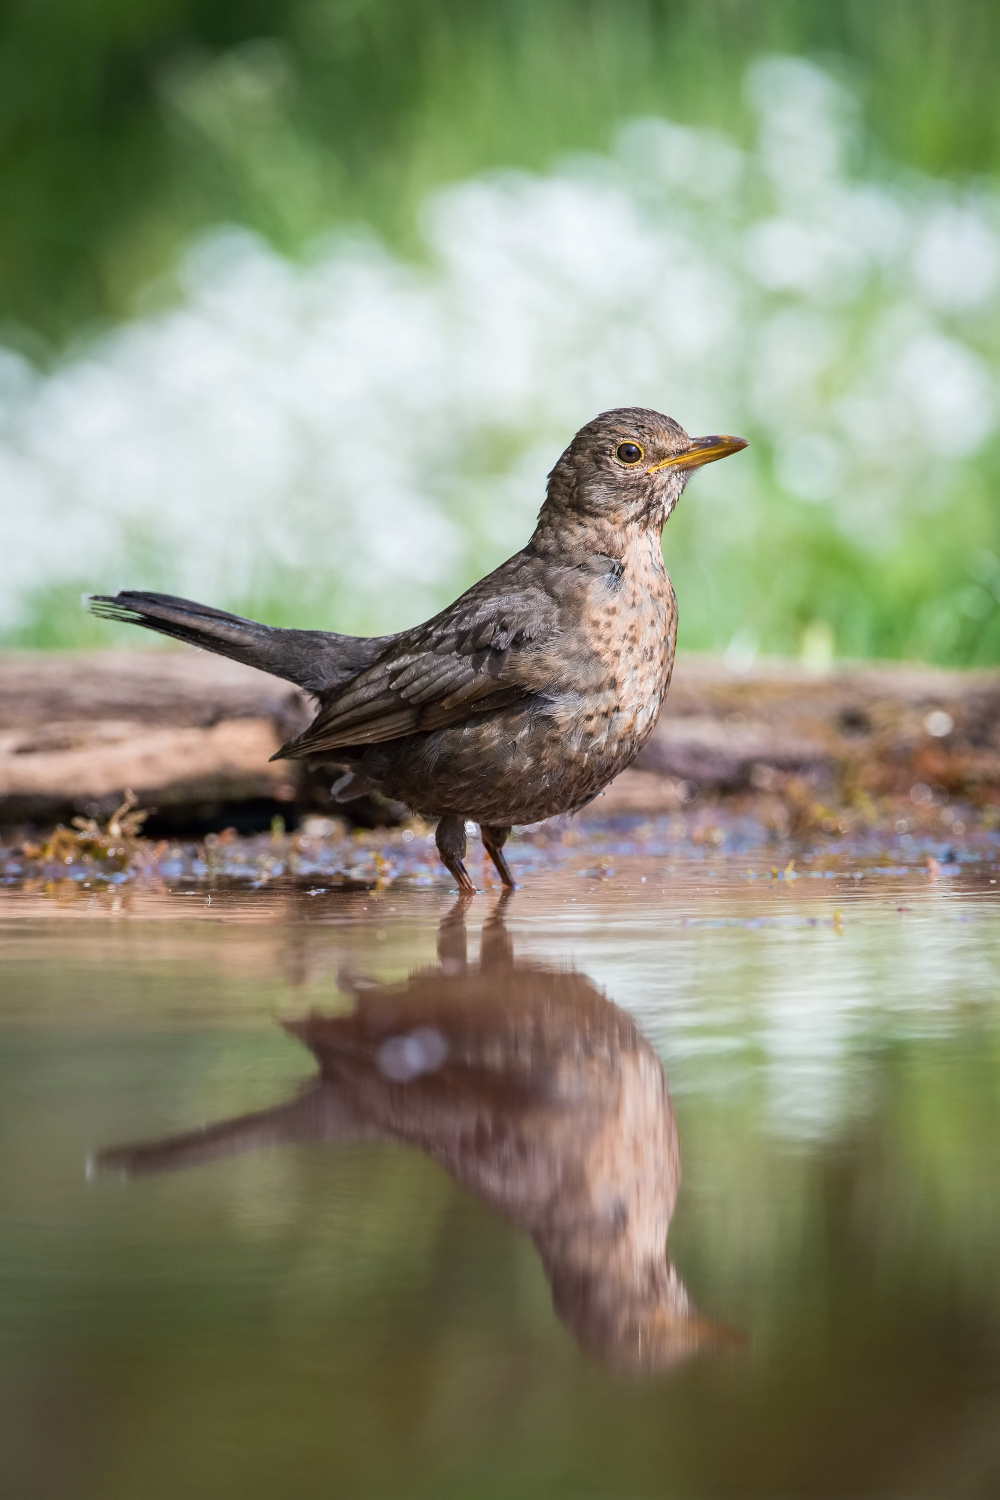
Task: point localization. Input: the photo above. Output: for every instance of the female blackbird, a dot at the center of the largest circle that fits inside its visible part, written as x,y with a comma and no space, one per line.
525,697
531,1087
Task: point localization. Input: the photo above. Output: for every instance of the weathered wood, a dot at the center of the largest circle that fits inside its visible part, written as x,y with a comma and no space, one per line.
185,729
860,731
182,729
178,689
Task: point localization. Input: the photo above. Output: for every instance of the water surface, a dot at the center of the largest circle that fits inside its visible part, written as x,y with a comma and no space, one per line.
422,1248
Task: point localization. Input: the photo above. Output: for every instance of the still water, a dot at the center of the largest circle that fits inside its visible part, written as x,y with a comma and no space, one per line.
360,1194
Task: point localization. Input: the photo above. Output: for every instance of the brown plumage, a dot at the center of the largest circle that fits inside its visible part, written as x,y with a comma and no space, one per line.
536,1093
525,697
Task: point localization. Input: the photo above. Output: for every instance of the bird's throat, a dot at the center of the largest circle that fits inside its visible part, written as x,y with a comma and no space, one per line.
573,539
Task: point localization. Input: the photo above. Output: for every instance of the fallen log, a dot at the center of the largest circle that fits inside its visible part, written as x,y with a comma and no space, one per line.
858,733
192,734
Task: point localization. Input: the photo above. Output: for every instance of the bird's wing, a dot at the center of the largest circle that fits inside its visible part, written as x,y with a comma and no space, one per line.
475,656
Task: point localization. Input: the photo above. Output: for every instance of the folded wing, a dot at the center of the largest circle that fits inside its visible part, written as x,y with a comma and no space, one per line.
467,660
472,658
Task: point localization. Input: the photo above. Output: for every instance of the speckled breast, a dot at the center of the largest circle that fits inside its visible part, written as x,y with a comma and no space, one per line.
633,632
555,752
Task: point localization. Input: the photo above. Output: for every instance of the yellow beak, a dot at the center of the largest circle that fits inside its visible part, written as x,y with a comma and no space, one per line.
703,450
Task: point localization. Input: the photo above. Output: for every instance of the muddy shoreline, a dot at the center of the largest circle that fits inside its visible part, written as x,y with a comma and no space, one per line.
893,761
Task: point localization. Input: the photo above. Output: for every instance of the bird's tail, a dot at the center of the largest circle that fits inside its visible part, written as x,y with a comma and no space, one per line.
299,656
319,1114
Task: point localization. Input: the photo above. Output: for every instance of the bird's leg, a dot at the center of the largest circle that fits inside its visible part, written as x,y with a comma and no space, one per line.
494,839
452,943
450,839
496,949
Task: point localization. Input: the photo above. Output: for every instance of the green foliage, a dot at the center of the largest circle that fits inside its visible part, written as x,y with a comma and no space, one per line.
125,127
935,596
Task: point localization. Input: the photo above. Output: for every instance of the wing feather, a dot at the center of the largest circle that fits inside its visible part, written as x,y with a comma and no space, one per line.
479,654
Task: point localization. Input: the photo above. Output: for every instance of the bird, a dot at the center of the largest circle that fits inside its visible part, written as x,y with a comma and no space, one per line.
536,1093
524,698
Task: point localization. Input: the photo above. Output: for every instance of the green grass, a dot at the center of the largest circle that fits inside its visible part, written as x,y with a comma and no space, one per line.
126,126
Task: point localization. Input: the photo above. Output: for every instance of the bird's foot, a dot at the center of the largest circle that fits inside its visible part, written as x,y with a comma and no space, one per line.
461,874
451,844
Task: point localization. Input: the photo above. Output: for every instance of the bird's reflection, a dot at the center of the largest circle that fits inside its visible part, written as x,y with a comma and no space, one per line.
534,1091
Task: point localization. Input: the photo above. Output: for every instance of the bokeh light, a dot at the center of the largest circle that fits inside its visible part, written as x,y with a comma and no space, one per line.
350,438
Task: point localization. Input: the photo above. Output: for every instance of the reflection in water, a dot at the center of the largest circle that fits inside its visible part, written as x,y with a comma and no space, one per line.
531,1089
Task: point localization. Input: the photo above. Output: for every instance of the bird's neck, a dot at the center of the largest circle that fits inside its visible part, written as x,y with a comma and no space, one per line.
571,539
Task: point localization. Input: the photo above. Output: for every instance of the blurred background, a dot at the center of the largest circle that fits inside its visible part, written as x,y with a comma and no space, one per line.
301,299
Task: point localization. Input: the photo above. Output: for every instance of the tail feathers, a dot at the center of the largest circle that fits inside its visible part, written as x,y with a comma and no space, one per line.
316,660
198,624
320,1114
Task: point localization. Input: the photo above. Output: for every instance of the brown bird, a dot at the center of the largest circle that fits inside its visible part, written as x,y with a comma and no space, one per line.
536,1093
525,697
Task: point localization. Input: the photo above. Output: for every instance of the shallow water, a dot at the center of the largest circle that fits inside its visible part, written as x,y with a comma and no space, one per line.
440,1271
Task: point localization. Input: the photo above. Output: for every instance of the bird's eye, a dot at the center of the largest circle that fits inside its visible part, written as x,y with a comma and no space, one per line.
628,453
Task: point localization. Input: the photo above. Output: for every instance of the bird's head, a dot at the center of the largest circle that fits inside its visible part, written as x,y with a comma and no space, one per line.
628,466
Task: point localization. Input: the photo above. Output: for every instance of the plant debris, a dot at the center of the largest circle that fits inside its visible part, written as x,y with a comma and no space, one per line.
325,855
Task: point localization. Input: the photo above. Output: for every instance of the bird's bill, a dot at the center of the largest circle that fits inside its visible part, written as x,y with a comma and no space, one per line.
703,450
